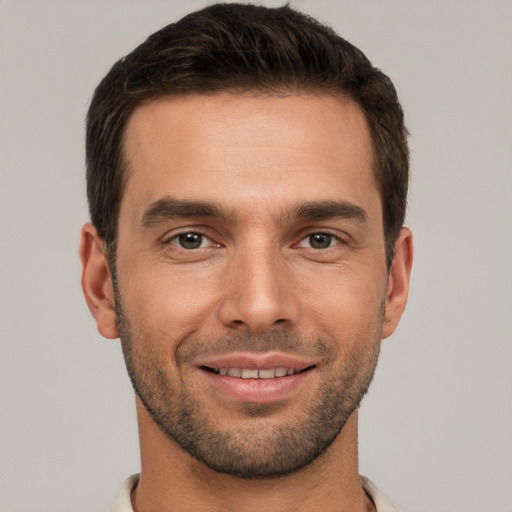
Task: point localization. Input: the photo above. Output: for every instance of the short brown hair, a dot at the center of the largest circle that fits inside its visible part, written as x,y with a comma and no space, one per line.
242,48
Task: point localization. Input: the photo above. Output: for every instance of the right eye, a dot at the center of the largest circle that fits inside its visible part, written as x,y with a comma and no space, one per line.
191,240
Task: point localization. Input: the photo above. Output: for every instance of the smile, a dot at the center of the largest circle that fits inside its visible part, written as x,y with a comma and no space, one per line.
257,385
252,373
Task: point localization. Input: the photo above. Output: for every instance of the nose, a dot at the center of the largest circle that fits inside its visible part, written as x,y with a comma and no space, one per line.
259,292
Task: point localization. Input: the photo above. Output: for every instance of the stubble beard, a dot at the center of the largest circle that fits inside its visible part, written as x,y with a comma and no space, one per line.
251,452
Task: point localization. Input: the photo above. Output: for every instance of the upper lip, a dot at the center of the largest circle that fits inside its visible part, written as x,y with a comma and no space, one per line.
257,361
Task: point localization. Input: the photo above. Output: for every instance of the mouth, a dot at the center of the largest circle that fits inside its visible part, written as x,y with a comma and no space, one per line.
255,373
256,378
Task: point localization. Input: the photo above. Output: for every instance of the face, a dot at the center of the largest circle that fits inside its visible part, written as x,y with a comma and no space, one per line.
251,276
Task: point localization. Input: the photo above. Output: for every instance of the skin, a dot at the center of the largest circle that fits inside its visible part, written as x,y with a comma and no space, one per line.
256,273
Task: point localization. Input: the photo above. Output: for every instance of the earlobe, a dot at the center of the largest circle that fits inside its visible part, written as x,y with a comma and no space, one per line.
398,282
97,283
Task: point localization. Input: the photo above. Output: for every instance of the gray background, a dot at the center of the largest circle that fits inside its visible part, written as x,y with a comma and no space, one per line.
436,426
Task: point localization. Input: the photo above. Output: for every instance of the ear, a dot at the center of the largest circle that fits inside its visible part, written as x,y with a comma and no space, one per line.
97,282
398,282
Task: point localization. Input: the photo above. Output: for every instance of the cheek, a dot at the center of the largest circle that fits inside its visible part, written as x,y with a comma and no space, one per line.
166,303
347,304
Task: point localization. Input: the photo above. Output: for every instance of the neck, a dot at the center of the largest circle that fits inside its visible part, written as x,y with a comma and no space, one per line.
171,480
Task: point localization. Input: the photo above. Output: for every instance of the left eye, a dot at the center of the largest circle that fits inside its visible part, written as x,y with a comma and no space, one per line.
318,241
190,241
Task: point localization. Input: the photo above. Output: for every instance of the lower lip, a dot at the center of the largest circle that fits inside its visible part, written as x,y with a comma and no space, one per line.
258,390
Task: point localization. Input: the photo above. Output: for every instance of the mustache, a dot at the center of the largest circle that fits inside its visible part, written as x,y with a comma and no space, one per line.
291,343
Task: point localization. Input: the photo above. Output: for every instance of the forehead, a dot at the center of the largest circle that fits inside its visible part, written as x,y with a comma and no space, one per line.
239,149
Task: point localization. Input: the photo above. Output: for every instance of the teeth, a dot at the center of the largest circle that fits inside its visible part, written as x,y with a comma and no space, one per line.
251,373
281,372
267,374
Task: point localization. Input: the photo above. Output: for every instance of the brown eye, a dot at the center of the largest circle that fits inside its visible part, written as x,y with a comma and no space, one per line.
190,241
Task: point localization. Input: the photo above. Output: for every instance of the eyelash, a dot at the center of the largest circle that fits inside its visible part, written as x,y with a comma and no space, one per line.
175,240
336,240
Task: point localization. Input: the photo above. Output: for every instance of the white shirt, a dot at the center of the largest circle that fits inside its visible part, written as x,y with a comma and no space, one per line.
382,504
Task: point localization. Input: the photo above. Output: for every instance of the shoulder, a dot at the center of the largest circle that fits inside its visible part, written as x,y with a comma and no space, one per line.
382,504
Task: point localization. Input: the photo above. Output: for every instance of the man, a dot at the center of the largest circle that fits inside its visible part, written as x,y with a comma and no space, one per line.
247,175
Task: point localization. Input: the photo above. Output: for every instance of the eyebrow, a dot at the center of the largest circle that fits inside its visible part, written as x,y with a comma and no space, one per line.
325,210
170,208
